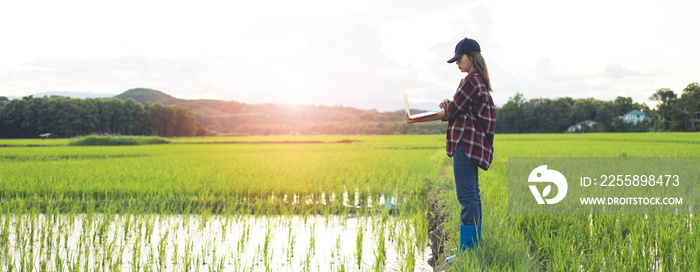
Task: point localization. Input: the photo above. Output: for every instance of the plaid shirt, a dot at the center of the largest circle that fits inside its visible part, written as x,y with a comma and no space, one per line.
471,118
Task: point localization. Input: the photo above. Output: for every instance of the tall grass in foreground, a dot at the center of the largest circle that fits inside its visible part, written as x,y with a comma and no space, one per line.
152,242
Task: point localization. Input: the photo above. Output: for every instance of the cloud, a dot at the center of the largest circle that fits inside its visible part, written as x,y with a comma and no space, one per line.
609,82
340,66
335,14
200,77
618,71
356,54
346,65
545,76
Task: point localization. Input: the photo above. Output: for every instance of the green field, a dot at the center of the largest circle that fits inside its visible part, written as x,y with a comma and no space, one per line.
406,180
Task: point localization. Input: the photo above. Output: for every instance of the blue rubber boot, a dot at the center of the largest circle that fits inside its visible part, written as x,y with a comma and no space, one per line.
469,237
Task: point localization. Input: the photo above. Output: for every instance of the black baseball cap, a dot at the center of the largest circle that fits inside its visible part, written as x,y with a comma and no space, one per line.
464,46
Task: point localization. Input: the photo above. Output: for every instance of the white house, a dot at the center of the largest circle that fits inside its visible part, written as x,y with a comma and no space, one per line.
633,117
578,127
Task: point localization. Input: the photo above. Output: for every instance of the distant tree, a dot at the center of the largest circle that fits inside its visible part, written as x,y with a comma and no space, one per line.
185,122
68,117
584,109
108,114
605,116
667,99
536,112
688,104
509,116
623,105
10,116
668,115
692,92
132,118
559,114
47,117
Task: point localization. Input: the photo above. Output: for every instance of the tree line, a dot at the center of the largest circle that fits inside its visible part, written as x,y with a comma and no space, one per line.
677,113
68,117
544,115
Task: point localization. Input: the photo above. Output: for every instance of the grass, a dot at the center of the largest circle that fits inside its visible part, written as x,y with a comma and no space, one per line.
166,178
96,140
110,203
110,183
577,242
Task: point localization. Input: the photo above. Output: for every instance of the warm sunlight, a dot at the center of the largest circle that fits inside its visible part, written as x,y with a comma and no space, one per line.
340,136
397,44
292,85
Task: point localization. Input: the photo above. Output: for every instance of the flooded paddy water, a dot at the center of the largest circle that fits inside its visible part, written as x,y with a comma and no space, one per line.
155,242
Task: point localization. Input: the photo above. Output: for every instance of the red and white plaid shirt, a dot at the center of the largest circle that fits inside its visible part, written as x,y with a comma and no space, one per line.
471,118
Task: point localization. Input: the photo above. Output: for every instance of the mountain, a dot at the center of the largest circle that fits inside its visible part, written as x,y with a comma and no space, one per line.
142,95
230,117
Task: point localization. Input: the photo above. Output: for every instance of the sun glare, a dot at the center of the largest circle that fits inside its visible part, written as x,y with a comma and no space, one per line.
294,87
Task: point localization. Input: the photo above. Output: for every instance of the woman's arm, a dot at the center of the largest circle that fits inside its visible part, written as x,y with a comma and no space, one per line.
435,117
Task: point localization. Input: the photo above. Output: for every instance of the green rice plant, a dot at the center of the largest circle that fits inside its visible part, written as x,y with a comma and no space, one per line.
166,180
312,240
58,262
290,247
306,264
120,255
5,234
189,250
43,265
409,261
175,254
126,226
358,244
336,250
380,252
136,254
95,140
266,244
213,263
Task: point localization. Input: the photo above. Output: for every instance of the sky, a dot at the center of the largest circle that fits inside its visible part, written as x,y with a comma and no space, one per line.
361,54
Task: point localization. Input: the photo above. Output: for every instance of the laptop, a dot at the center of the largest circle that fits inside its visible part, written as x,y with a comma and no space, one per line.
408,111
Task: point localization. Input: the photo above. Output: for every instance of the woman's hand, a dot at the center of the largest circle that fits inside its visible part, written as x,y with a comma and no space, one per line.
409,120
435,117
444,104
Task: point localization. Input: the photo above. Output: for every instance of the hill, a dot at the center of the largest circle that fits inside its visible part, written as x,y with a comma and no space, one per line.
142,95
230,117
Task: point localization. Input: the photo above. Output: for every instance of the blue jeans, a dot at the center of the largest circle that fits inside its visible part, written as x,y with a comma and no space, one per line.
467,185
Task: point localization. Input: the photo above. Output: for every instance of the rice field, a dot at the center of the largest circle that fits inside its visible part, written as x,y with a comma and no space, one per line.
312,203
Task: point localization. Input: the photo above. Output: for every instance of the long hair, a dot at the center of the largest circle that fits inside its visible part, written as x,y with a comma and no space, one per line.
480,63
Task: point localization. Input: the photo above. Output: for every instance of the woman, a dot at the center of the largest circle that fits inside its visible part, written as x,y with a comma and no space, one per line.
471,118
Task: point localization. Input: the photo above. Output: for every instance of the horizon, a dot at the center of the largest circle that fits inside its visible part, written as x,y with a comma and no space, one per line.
98,96
254,54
